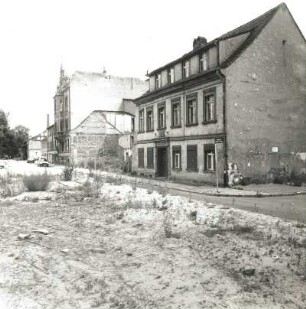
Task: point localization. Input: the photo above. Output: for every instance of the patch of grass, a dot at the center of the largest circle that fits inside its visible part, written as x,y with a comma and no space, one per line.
36,182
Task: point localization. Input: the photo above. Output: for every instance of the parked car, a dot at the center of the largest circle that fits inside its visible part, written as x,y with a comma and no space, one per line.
31,160
43,162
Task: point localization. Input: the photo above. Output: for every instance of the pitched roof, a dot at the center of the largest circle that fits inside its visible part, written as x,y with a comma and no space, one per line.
254,27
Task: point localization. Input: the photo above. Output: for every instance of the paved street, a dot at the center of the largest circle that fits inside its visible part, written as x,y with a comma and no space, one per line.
292,207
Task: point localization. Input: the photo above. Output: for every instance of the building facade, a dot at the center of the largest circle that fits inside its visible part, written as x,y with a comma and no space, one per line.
99,135
37,146
235,103
77,96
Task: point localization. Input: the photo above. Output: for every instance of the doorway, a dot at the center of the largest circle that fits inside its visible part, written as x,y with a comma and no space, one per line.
162,162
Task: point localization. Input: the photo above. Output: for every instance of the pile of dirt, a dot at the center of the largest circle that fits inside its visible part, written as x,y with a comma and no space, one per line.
117,246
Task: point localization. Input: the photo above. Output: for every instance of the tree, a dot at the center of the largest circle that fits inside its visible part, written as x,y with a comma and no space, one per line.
4,129
13,143
21,136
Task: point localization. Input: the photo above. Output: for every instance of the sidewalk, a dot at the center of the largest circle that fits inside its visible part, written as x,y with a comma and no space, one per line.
262,190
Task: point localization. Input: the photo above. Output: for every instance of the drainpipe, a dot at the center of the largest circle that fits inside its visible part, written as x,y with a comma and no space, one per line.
223,78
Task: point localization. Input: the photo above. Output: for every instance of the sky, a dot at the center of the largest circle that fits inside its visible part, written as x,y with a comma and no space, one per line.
126,37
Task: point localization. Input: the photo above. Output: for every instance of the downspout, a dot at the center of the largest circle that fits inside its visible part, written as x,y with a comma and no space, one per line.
223,78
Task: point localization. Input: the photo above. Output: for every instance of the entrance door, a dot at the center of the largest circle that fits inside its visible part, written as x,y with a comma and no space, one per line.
162,162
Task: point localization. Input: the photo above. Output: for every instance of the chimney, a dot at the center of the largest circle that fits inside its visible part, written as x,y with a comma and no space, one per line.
48,121
199,41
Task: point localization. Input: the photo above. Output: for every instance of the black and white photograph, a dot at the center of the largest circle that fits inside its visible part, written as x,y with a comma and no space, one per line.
153,154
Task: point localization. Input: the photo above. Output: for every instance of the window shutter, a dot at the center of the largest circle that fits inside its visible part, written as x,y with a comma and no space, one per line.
140,157
192,157
150,157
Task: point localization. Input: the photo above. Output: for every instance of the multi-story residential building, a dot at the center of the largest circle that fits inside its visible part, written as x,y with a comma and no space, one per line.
37,146
77,96
51,144
240,98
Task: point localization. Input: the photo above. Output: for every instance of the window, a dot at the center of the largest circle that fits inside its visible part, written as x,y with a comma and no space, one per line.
150,157
191,105
204,62
170,75
161,117
66,104
133,124
186,69
157,81
150,125
192,158
176,157
209,107
140,157
209,157
176,112
141,120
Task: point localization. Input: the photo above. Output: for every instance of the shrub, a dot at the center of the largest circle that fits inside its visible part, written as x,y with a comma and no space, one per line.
36,182
67,173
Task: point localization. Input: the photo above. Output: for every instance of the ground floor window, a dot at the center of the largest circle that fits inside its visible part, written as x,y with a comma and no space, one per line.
176,157
140,157
192,157
150,157
209,158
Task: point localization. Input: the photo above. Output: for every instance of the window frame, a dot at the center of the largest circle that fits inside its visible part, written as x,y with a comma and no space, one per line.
141,121
176,101
160,106
202,61
207,148
170,75
157,80
190,168
177,149
188,68
207,93
151,128
192,97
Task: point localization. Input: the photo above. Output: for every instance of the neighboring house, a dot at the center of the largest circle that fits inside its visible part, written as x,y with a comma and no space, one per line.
241,97
37,146
77,96
51,144
99,135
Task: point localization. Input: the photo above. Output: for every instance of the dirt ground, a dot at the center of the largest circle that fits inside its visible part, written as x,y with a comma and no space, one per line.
107,245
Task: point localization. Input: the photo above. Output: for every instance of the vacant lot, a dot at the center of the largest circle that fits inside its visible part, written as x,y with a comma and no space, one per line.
107,245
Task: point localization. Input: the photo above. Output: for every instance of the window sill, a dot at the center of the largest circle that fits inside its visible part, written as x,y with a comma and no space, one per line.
139,132
151,130
191,124
161,129
209,171
176,127
192,170
177,169
209,122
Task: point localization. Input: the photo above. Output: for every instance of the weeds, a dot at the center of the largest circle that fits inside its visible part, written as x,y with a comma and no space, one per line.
36,182
67,173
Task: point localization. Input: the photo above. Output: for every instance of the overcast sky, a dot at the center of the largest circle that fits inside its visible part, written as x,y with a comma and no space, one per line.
127,37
